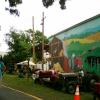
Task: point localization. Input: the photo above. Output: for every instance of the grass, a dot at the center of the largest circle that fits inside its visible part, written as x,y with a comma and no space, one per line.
28,86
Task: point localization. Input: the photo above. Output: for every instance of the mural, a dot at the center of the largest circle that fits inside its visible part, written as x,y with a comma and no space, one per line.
78,46
58,61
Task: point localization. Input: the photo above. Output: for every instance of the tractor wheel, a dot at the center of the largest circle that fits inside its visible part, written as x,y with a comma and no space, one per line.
38,81
70,89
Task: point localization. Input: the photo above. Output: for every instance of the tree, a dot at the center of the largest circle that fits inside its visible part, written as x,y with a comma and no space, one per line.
38,44
46,3
12,5
20,45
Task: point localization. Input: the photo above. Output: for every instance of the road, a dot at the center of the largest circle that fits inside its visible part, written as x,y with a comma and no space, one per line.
7,93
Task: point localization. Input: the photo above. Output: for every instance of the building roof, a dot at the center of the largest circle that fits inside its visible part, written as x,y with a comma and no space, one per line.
83,22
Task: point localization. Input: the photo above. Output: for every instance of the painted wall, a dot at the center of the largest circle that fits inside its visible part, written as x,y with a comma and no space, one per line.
80,40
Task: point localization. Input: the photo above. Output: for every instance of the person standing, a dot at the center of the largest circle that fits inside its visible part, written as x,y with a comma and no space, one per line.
1,70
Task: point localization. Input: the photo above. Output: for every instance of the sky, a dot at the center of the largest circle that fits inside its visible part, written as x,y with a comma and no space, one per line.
55,20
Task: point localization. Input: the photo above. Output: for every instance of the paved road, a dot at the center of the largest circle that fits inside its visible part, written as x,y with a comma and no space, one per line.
10,94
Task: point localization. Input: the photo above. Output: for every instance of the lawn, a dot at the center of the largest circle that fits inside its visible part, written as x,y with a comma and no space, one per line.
28,86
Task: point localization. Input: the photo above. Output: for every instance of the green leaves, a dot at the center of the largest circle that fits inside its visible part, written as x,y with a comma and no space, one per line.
48,3
20,45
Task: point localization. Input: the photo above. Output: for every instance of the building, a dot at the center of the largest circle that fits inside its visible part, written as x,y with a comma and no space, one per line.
74,48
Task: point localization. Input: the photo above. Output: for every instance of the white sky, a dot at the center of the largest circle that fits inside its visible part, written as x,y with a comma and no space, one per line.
56,19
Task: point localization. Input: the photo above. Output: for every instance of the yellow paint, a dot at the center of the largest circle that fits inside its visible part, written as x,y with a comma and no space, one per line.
57,67
89,39
82,41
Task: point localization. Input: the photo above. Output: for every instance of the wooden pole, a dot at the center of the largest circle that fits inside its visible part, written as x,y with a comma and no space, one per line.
33,40
42,40
43,36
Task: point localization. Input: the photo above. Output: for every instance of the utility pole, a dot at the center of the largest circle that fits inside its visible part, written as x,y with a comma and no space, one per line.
33,37
42,38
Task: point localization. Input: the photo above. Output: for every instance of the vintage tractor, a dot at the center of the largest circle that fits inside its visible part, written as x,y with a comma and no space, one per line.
68,82
59,81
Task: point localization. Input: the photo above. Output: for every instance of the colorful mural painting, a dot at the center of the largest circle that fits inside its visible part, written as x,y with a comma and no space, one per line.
78,46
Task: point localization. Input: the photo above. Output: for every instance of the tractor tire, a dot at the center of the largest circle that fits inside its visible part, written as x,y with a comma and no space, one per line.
71,89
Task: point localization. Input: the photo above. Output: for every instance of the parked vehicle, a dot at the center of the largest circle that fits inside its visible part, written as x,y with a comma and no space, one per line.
59,81
68,82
